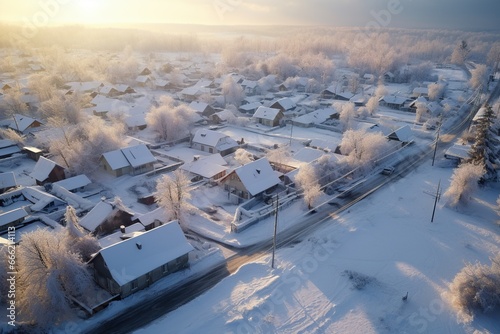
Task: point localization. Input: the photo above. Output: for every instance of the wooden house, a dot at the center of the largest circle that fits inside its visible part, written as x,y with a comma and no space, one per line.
46,171
213,142
130,160
136,263
106,217
24,124
268,116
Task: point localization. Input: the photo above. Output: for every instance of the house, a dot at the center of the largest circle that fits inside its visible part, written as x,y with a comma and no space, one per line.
421,99
458,152
284,104
192,93
403,134
106,217
202,108
338,92
110,91
24,124
268,116
143,80
316,117
389,77
42,201
250,87
251,180
393,101
162,84
152,219
420,91
130,160
136,122
33,152
145,71
12,218
8,148
7,181
222,116
74,183
123,234
249,108
138,262
212,167
46,170
125,89
213,142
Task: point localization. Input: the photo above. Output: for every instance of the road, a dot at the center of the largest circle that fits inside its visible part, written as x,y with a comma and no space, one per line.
138,316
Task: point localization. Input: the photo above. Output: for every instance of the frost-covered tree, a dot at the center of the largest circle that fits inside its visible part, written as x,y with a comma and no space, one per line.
381,90
362,148
307,181
420,112
435,91
460,53
172,194
484,150
232,91
242,156
66,108
372,105
78,241
464,182
13,102
479,77
168,121
12,135
347,115
279,156
476,288
48,274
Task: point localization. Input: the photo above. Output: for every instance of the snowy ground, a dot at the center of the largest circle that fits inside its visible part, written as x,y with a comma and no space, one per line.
389,247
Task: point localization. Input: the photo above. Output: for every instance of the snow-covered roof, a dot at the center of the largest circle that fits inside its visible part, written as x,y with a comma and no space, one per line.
225,114
394,99
142,79
99,214
330,145
266,113
316,117
257,176
420,99
134,156
286,103
42,169
458,152
161,83
215,139
10,216
22,122
122,87
84,86
421,90
134,257
113,238
6,143
207,166
308,154
198,106
7,180
138,155
149,217
249,84
6,151
403,134
195,90
250,106
74,182
40,198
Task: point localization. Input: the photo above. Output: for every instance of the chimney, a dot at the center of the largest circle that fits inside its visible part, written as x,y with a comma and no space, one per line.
122,229
139,246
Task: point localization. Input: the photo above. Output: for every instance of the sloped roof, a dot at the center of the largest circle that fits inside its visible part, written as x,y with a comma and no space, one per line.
394,99
266,113
198,106
10,216
116,159
42,169
138,155
286,103
74,182
99,214
6,143
134,257
207,166
215,139
250,106
316,117
7,180
22,122
257,176
307,154
40,198
403,134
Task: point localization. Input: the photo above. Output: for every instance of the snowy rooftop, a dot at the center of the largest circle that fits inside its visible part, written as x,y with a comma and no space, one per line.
10,216
403,134
134,156
96,216
266,113
40,198
458,151
7,180
286,103
198,106
207,166
316,117
22,122
250,106
5,151
134,257
257,176
6,143
308,154
42,169
393,99
149,217
214,139
119,236
74,182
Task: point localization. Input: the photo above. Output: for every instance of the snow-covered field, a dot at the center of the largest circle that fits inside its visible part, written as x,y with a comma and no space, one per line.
350,275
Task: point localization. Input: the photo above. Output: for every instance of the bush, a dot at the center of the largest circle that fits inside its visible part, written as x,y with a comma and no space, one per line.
476,288
358,280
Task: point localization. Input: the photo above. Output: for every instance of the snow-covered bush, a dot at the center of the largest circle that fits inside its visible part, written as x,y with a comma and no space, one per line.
307,181
358,280
362,148
464,182
476,288
242,156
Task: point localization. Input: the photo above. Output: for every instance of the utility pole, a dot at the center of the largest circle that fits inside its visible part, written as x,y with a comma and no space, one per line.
275,229
436,196
437,139
291,134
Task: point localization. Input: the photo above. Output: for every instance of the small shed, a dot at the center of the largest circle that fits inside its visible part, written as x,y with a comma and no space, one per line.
46,170
403,134
33,153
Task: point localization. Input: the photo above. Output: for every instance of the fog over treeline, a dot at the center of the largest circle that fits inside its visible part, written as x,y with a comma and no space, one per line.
401,44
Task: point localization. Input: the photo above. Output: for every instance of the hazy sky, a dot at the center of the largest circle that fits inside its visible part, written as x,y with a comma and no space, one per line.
453,14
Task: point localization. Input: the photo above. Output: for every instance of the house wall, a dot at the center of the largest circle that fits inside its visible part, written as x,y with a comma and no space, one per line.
233,184
114,222
142,169
204,148
118,172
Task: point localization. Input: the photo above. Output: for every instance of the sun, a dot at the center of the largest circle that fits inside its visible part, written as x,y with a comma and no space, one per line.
87,10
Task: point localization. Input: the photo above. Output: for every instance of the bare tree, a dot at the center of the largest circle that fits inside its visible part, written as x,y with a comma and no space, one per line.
464,182
172,194
78,241
307,180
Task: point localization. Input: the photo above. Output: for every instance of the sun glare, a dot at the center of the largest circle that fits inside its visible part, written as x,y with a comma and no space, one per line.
88,10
